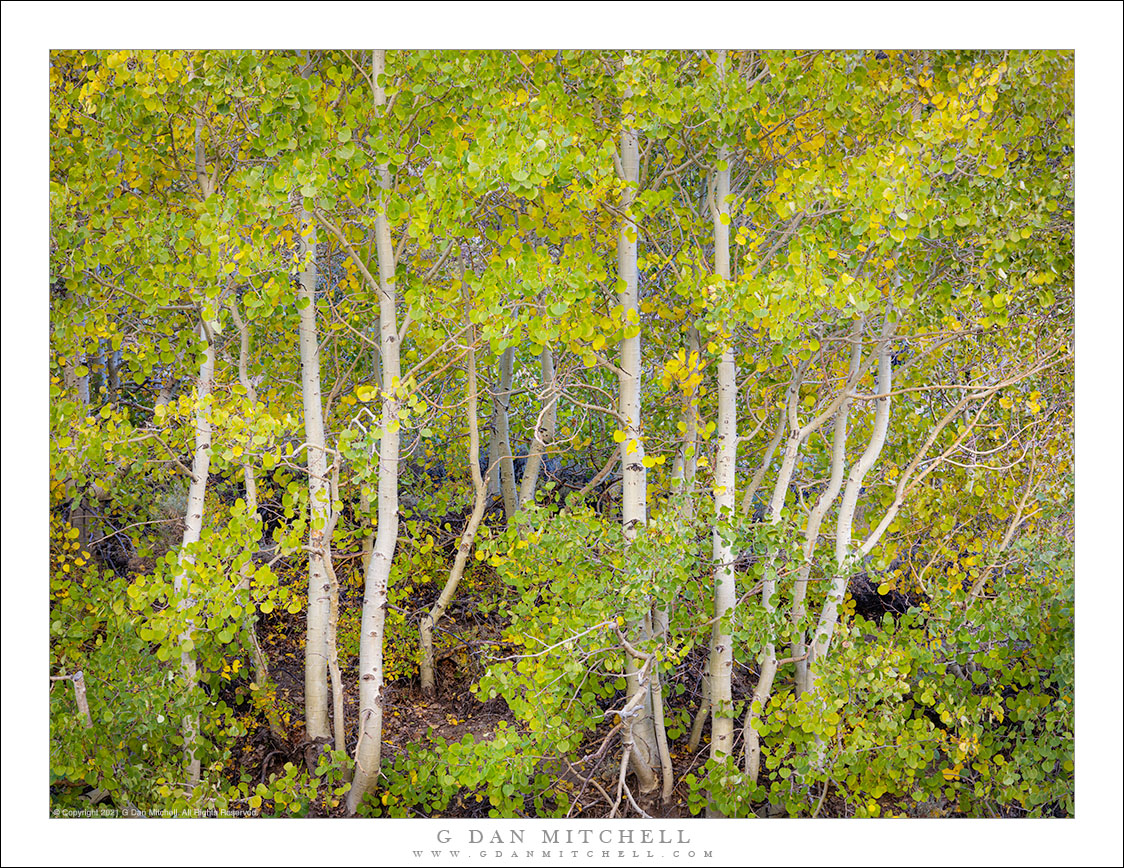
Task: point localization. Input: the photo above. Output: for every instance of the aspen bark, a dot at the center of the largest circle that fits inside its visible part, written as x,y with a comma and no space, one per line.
84,383
368,532
192,532
113,372
667,772
704,707
500,446
643,755
319,496
769,663
495,450
722,652
80,515
197,491
480,487
167,386
78,683
257,653
829,615
686,458
368,750
763,468
544,429
70,377
338,724
768,671
799,650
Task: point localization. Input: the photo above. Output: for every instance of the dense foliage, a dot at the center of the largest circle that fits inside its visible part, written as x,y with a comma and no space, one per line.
879,245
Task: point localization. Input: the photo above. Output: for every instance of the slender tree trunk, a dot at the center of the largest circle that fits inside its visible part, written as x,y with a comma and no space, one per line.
197,492
367,528
544,429
368,750
763,467
479,485
257,653
799,649
368,532
84,382
667,773
338,723
722,656
768,671
167,386
316,723
635,495
829,615
79,387
192,532
495,449
704,707
501,434
70,376
113,371
686,458
80,515
683,481
769,662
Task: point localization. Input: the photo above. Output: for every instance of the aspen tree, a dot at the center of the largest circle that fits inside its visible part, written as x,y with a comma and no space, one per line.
480,500
641,730
319,496
368,750
722,652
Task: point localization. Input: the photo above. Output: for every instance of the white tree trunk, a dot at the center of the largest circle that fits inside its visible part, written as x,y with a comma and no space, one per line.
257,653
319,496
769,664
725,593
644,752
192,532
763,468
544,429
501,435
196,493
829,615
367,531
113,372
84,382
368,751
479,485
799,650
768,671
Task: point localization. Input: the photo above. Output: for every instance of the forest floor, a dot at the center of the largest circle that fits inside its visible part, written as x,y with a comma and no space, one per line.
413,721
